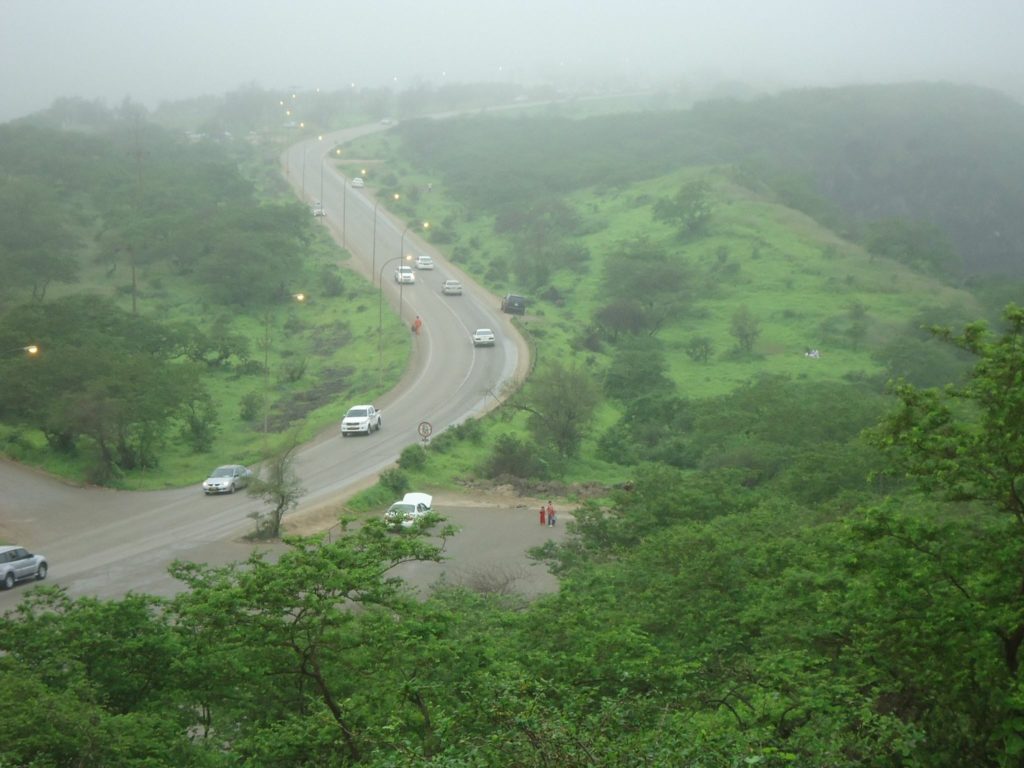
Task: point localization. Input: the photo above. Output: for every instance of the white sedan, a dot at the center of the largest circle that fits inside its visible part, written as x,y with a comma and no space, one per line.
483,337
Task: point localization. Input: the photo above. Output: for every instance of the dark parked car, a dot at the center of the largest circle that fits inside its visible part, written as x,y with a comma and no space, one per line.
513,305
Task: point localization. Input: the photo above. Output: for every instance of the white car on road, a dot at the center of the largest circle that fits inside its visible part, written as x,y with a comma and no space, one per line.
451,288
424,262
405,275
483,337
361,420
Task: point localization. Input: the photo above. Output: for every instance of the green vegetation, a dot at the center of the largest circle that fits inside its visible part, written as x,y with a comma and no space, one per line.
181,317
804,545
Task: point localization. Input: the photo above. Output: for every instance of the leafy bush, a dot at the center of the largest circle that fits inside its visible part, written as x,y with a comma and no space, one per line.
250,406
395,480
331,282
199,425
293,370
470,431
512,456
413,457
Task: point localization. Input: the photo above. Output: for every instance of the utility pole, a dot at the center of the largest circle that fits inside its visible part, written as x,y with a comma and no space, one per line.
132,246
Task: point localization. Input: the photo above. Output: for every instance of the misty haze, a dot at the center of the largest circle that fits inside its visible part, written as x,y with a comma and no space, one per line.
537,384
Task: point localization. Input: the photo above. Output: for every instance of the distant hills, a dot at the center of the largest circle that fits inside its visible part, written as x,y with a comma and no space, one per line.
940,154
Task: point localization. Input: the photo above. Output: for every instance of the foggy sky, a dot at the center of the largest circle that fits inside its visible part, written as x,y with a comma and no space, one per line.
157,50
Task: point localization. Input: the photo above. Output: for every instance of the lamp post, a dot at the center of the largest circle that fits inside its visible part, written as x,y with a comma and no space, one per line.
373,265
401,246
321,138
304,148
299,297
380,316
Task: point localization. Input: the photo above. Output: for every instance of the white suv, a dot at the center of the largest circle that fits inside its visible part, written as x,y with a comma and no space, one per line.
18,564
405,275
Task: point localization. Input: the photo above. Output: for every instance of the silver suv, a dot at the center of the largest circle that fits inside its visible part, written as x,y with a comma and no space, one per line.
17,564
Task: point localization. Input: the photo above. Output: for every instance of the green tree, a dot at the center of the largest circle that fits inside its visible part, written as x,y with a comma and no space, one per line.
691,207
36,246
561,400
745,328
966,443
312,643
646,288
914,243
279,487
638,370
699,348
104,375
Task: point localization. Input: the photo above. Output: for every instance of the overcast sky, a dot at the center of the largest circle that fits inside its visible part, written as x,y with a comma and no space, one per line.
157,50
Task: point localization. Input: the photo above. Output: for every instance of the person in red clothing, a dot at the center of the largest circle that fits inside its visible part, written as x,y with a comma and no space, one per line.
542,514
416,325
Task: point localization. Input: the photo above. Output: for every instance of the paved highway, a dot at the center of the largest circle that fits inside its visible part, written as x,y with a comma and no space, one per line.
108,543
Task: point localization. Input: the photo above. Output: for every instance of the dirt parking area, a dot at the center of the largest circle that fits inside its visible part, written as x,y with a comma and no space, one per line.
496,530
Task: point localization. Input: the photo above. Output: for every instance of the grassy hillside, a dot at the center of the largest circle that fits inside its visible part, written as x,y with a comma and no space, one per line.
806,287
942,154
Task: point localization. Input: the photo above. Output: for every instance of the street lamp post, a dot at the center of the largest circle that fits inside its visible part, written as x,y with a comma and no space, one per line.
304,148
380,316
321,138
373,264
401,246
299,297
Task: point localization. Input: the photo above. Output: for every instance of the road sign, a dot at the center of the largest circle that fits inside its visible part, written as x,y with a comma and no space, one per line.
425,429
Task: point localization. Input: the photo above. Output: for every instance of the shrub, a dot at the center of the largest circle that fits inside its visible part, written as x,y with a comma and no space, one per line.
250,406
413,457
293,370
470,431
512,456
331,282
395,480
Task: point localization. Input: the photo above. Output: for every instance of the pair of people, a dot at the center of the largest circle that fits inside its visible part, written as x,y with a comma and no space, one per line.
547,514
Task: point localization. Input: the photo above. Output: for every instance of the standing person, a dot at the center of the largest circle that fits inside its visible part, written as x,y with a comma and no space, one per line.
542,511
551,513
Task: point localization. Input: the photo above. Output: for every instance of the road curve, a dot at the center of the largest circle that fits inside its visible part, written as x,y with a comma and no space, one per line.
106,543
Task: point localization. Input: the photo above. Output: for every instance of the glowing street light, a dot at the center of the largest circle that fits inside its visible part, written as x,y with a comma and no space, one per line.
373,264
401,247
31,350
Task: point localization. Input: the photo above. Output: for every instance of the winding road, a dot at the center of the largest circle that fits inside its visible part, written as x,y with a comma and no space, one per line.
107,543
